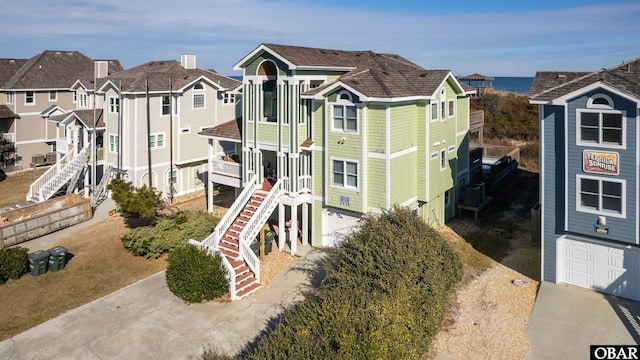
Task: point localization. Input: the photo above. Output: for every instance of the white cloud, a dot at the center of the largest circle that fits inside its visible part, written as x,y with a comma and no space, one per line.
222,32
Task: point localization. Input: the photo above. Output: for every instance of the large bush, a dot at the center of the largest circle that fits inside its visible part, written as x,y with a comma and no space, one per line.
154,240
507,115
13,263
383,297
141,202
194,276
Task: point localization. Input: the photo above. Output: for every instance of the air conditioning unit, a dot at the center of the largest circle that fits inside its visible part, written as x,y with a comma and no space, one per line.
51,158
37,159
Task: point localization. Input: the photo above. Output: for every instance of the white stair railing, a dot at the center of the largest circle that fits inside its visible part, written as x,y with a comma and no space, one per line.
255,224
56,176
211,250
233,212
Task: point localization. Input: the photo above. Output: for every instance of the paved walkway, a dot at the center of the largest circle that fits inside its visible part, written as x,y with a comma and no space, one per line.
146,321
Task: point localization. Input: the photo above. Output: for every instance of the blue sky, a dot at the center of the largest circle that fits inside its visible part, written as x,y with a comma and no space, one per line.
496,38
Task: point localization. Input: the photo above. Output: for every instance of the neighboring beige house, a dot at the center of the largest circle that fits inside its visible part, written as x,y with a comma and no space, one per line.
49,84
153,114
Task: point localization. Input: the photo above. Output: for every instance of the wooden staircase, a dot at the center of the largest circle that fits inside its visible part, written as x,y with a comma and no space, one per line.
245,280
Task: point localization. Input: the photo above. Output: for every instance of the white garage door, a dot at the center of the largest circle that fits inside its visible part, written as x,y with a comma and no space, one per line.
336,224
609,269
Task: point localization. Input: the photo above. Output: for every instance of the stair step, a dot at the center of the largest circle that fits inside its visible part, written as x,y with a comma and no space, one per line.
230,254
236,264
248,289
229,248
246,276
241,270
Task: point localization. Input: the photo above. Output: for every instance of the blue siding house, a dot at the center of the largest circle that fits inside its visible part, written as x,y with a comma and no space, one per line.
589,171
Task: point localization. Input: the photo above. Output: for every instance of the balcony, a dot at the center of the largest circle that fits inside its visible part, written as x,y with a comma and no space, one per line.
226,172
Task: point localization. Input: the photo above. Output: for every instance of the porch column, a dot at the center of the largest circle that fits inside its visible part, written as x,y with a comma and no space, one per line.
305,224
209,178
281,227
293,231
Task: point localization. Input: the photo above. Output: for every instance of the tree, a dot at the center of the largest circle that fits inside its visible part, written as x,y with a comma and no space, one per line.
141,202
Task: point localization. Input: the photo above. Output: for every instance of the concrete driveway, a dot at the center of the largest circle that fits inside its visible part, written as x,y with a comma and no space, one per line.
146,321
566,320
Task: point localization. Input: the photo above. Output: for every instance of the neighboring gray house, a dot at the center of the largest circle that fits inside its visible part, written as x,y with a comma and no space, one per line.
153,114
589,171
48,84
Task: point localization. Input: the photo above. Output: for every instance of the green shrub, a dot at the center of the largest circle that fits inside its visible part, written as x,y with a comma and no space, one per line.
154,240
384,296
194,276
13,263
141,202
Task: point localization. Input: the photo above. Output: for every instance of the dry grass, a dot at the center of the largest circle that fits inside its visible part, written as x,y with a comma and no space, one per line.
100,265
15,186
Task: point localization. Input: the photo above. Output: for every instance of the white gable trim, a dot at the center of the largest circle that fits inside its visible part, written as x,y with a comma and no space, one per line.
562,100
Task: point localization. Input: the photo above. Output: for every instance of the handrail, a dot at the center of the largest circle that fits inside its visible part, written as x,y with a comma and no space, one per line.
254,225
51,173
233,212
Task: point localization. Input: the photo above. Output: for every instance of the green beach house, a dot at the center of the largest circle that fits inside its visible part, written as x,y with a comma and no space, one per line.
329,135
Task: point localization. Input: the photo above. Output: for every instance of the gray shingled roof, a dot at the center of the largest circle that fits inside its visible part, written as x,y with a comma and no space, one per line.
85,116
547,86
228,130
8,67
6,112
55,70
161,73
371,74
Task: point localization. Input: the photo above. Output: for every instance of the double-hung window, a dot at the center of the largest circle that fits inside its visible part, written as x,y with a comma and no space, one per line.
166,105
601,195
114,105
83,100
156,140
345,174
345,114
53,96
114,143
10,98
29,98
434,111
600,124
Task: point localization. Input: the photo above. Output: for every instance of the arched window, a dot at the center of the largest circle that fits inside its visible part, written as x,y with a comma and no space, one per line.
600,124
268,72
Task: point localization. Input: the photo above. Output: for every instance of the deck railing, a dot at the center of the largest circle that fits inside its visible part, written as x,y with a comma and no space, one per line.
233,212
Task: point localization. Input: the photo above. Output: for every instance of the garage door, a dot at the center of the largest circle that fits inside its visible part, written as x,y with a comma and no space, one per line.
609,269
336,224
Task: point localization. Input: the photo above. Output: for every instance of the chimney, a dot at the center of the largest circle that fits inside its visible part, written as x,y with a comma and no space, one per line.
100,69
188,61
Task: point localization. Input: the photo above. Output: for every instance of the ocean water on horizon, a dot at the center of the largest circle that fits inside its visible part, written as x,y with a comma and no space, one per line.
514,84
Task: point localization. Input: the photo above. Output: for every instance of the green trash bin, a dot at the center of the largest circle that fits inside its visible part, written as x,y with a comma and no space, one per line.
38,262
57,258
268,241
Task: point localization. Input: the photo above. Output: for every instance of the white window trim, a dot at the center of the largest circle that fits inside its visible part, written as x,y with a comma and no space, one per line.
344,185
344,103
169,176
83,100
451,148
434,155
115,144
193,101
34,98
601,110
452,113
155,140
112,104
443,105
434,104
443,160
55,96
599,211
10,97
228,98
162,105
